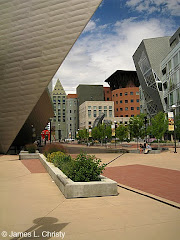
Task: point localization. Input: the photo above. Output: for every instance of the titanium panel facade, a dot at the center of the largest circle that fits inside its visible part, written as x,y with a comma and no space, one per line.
35,37
147,59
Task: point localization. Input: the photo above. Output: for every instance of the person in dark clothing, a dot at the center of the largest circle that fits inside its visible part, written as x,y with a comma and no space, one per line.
144,146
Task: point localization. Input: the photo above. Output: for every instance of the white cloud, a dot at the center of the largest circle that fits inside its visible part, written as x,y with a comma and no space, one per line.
97,55
150,6
90,26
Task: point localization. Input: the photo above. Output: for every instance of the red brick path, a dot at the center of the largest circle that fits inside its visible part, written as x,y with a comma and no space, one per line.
160,182
34,165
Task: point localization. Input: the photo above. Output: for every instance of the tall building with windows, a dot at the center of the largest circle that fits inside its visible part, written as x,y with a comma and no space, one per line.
157,62
170,69
59,103
71,116
124,86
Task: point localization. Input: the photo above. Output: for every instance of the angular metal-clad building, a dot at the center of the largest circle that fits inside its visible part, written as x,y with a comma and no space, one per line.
147,59
35,37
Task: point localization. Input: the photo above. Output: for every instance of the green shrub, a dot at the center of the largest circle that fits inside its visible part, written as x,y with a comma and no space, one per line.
60,160
52,156
31,148
54,147
85,168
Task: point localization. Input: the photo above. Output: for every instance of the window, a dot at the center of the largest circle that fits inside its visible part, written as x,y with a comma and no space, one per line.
89,113
131,93
120,94
125,93
137,100
105,112
69,111
89,123
107,99
126,121
121,109
132,100
132,108
137,93
105,107
126,108
132,115
116,102
126,115
121,116
175,60
110,112
116,95
117,109
100,109
94,113
110,107
89,107
59,118
137,108
121,101
164,71
126,101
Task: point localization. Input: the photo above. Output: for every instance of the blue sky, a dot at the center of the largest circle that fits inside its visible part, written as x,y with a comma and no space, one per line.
111,37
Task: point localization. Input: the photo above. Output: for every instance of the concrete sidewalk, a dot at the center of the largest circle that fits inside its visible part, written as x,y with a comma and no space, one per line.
32,203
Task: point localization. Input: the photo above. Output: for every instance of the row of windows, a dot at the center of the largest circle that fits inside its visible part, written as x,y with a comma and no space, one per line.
98,107
126,108
126,101
100,111
126,93
59,119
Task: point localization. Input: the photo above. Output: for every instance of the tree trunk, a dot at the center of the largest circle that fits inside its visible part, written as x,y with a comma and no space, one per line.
158,144
137,143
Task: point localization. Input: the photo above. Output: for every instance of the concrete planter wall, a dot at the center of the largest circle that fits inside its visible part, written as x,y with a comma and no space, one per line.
70,189
26,155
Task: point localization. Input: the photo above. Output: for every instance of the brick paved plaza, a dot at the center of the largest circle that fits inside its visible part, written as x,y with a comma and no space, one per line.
31,202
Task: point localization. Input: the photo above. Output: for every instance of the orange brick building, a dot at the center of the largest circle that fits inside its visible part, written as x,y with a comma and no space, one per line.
107,94
124,87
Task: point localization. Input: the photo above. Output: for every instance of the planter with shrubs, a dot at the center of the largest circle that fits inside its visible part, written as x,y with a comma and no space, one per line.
30,151
78,177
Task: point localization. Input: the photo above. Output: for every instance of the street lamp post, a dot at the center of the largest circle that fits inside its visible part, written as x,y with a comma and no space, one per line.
174,112
115,125
59,132
145,122
50,129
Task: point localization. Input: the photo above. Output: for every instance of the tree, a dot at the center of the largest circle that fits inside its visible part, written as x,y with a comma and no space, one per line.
101,132
83,134
136,127
178,126
159,125
122,132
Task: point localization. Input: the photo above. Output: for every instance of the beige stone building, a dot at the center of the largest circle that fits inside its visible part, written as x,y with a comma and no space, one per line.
90,110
